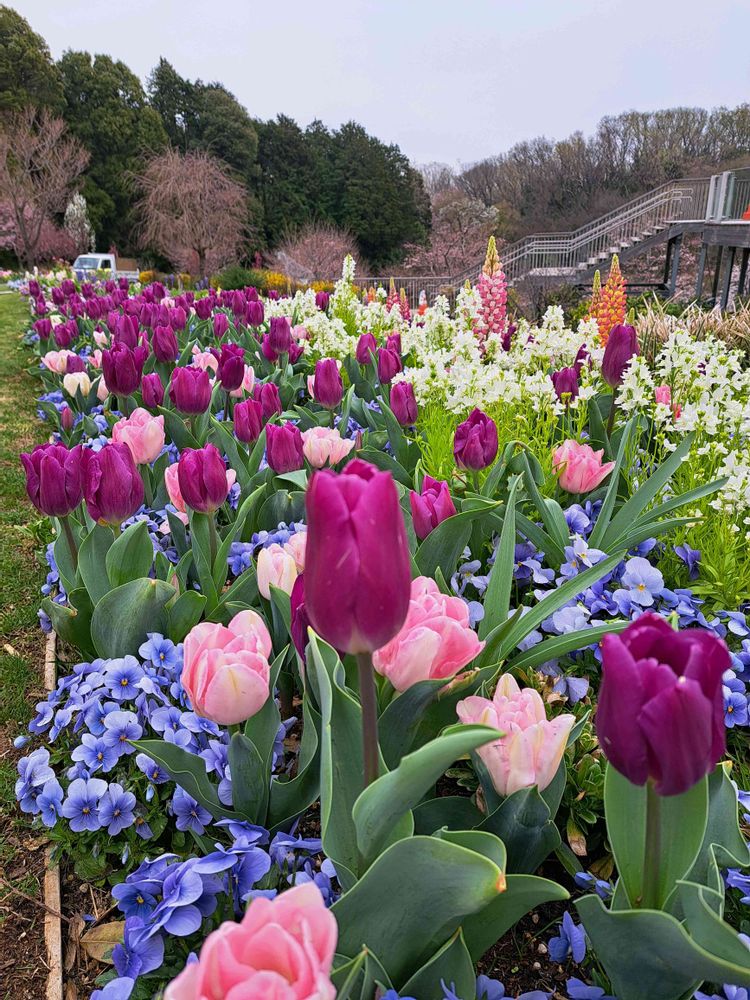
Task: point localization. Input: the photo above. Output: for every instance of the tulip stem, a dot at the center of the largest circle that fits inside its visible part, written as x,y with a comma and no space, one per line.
611,420
368,700
146,477
228,409
650,898
475,481
213,539
68,532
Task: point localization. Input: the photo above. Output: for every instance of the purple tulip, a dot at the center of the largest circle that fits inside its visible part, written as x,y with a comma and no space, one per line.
58,296
273,295
67,418
393,343
321,300
238,303
164,344
299,618
69,287
152,391
660,714
53,478
179,318
43,328
248,420
284,448
365,345
35,289
430,507
389,364
357,563
327,387
112,486
475,442
231,370
202,478
582,357
66,333
126,331
254,313
267,394
221,325
203,308
123,367
190,389
565,382
74,363
279,335
622,345
507,338
404,403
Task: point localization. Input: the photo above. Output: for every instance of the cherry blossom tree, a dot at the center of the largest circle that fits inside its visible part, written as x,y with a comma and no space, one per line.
315,251
458,240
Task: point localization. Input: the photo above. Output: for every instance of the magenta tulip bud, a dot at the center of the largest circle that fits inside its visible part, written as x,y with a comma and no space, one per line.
202,478
295,353
74,363
53,478
203,308
279,335
393,343
67,418
221,325
565,382
404,403
357,563
475,442
321,300
58,296
299,617
327,387
430,507
622,345
273,295
69,287
231,370
35,289
190,389
112,486
582,357
164,344
660,714
365,345
123,368
126,331
248,420
389,364
268,352
267,394
284,448
238,303
152,391
43,328
254,313
179,318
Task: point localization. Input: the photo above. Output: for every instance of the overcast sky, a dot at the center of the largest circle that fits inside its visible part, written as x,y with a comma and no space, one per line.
449,80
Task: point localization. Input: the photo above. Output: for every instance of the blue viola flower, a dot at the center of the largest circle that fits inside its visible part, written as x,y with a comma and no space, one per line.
284,848
166,718
578,990
95,753
116,809
151,769
50,801
691,557
642,581
736,880
489,989
133,900
323,879
735,707
736,623
189,815
122,677
580,556
120,728
585,880
570,942
139,953
240,557
96,713
577,519
81,806
116,989
160,652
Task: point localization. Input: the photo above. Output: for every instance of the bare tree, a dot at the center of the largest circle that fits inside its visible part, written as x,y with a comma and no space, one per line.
458,239
316,251
39,166
437,177
190,206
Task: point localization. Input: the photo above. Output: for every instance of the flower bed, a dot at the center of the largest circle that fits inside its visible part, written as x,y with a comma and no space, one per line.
391,630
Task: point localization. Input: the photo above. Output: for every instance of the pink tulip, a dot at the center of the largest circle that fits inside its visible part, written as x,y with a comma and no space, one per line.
142,433
204,360
77,380
579,468
101,338
102,392
96,359
324,446
226,673
296,548
281,950
276,567
172,483
533,745
57,361
248,383
435,641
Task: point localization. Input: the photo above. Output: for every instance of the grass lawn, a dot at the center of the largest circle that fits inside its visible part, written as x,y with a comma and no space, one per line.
22,647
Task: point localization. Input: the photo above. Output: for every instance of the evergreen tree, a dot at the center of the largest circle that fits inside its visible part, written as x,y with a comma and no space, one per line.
28,76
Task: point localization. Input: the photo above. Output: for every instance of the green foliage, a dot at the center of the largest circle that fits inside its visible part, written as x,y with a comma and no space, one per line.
28,75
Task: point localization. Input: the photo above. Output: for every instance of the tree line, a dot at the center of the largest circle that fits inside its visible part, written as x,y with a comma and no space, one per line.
290,175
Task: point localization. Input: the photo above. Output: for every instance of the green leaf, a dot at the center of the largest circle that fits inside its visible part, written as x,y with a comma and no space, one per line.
452,965
131,555
189,771
683,821
525,825
380,806
250,779
73,623
382,460
221,435
177,430
446,883
454,812
497,598
610,497
91,561
201,544
221,566
544,542
444,544
124,616
289,799
560,645
184,613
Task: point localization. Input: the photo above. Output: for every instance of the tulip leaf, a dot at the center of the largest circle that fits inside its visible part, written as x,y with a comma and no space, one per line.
131,555
610,496
346,975
560,645
447,883
221,435
200,533
221,566
445,544
497,597
281,506
383,804
723,835
92,567
451,964
525,825
382,460
123,617
184,612
188,770
646,953
683,819
454,812
554,554
242,594
73,623
250,779
177,429
289,799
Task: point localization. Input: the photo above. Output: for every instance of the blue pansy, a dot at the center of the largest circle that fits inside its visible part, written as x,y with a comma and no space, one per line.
570,942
